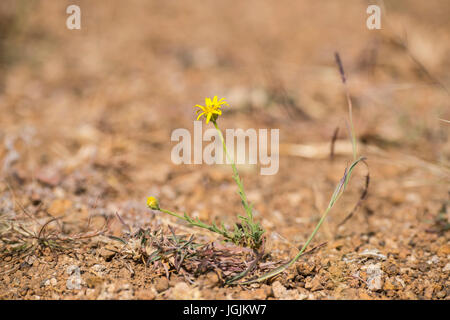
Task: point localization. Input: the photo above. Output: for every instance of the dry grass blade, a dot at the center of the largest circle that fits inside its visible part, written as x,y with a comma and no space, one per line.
168,252
360,201
23,236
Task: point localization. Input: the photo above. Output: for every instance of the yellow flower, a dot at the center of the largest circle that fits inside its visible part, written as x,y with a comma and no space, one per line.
153,203
212,108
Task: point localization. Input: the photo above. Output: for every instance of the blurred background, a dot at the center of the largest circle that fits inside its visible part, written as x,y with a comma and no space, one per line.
89,112
86,118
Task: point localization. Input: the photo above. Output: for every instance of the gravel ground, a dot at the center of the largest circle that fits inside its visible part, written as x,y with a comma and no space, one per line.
85,127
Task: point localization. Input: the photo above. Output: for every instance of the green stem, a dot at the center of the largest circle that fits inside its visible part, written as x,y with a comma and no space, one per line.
236,177
352,127
172,214
335,197
251,232
198,223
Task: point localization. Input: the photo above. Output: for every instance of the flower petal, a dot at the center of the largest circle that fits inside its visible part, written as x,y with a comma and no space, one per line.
223,102
200,115
208,117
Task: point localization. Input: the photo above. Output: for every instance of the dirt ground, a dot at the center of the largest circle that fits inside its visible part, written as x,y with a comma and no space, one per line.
85,136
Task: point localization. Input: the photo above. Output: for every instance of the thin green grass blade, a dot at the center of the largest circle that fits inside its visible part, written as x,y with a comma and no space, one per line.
335,197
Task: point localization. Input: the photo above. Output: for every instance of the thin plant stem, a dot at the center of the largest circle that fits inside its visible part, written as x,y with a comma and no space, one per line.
172,214
352,127
349,103
336,195
198,223
236,177
248,232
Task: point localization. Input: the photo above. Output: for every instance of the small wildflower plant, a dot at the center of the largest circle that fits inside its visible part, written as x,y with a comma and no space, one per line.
247,233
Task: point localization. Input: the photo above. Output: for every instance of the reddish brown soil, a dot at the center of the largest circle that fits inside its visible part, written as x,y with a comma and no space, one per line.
87,115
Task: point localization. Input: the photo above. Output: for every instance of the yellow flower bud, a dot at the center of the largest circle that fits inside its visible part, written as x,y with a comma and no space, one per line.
153,203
